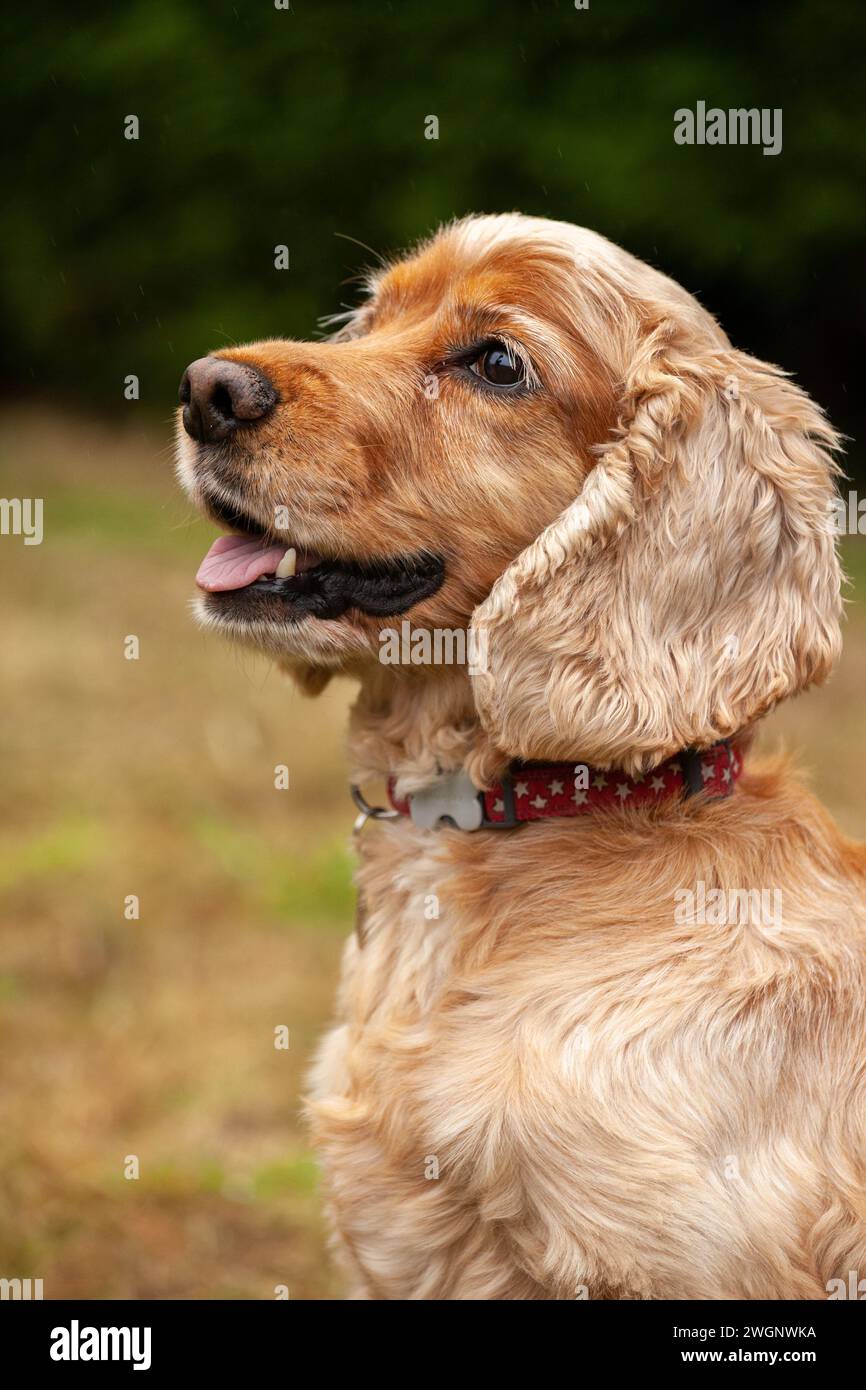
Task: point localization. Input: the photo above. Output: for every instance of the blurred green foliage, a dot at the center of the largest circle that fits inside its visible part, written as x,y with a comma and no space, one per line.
261,126
305,888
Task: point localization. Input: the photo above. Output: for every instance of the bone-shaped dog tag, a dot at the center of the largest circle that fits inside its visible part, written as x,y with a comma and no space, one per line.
451,798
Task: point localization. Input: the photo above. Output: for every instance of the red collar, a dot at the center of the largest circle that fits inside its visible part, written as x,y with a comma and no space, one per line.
539,791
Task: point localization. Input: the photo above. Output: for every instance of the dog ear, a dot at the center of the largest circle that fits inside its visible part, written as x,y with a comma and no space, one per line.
693,583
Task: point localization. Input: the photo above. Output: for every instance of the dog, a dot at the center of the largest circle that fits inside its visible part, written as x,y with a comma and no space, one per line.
552,1076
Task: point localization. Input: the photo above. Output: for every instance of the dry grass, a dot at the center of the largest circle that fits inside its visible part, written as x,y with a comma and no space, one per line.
155,777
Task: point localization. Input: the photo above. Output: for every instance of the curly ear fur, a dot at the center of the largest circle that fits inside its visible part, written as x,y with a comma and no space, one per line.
693,583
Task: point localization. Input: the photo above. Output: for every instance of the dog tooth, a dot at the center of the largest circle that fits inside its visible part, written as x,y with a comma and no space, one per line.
289,563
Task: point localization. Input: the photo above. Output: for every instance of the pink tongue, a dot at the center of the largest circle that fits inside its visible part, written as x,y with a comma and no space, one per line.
233,562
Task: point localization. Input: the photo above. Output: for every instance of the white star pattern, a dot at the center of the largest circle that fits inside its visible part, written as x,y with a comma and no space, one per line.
713,769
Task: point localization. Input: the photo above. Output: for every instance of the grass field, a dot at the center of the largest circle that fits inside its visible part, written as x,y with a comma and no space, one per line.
155,777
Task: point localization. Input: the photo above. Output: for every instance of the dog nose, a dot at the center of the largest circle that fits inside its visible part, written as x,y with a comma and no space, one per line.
217,395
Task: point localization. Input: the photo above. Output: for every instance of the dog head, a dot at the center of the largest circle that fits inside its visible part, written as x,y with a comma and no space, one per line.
527,432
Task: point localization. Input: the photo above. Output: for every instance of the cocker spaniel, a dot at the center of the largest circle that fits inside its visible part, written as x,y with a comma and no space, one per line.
601,1028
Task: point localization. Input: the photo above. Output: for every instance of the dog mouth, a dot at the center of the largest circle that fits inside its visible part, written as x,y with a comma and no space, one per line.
250,570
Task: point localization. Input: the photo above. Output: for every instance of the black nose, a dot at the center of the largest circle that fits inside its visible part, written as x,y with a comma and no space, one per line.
218,395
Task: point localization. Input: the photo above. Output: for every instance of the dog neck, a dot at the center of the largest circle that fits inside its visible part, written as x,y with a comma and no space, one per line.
407,729
411,727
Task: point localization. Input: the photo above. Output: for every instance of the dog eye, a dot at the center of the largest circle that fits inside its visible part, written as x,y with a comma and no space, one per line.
498,366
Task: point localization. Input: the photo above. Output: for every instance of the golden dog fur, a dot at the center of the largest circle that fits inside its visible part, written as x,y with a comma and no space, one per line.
553,1088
